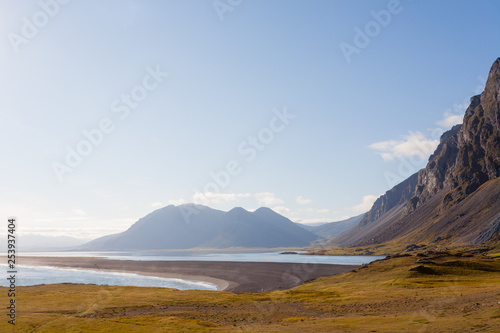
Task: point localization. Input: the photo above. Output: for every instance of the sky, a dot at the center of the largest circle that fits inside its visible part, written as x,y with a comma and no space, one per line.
112,109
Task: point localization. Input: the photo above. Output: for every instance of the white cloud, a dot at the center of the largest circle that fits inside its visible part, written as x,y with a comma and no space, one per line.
282,210
384,145
268,199
365,206
450,119
156,204
315,211
216,198
303,201
415,143
454,115
176,202
387,156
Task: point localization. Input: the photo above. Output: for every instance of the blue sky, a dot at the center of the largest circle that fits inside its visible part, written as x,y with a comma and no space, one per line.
261,94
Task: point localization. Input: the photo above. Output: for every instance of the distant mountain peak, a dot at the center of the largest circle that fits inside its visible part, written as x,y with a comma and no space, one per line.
264,210
238,210
168,228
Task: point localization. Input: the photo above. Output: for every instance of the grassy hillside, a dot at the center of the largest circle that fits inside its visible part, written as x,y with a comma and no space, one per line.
433,293
490,248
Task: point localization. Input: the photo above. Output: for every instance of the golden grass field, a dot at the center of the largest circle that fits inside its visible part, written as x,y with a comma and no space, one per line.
440,293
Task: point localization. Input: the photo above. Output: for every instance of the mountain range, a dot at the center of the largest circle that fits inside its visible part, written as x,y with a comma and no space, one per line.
35,242
170,228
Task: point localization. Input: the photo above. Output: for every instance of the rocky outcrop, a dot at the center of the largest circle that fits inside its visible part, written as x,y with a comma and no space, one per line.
397,195
469,155
436,176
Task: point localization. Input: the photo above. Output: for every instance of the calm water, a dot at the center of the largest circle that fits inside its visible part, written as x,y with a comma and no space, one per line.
212,256
29,276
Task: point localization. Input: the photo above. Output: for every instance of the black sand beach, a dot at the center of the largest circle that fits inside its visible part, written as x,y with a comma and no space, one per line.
237,277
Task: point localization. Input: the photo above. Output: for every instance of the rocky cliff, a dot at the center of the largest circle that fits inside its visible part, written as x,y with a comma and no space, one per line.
461,177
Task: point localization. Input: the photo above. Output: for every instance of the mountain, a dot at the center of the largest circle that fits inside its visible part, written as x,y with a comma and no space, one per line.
34,242
456,198
334,229
195,226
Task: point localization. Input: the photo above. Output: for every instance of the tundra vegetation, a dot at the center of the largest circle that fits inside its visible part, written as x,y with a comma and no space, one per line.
428,291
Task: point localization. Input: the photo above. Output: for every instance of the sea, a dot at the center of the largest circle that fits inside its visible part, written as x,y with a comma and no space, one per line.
36,275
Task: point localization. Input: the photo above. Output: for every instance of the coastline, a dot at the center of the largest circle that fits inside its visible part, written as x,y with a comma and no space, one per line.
236,277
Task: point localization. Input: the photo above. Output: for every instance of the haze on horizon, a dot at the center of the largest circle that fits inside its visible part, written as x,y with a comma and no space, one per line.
114,109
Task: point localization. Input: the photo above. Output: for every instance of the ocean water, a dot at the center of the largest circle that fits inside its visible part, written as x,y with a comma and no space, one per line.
35,275
212,256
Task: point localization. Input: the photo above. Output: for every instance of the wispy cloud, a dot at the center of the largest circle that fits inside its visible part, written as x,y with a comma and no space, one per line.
217,198
268,199
282,210
450,119
177,202
315,211
365,205
303,201
415,143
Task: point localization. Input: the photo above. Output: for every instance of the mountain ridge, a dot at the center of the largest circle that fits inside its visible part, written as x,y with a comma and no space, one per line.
334,229
455,199
170,228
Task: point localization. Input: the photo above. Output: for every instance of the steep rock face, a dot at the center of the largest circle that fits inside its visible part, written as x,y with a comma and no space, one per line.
479,140
467,158
436,175
399,194
469,155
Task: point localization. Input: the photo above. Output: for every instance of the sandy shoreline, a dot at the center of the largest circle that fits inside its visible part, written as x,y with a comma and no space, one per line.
229,276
